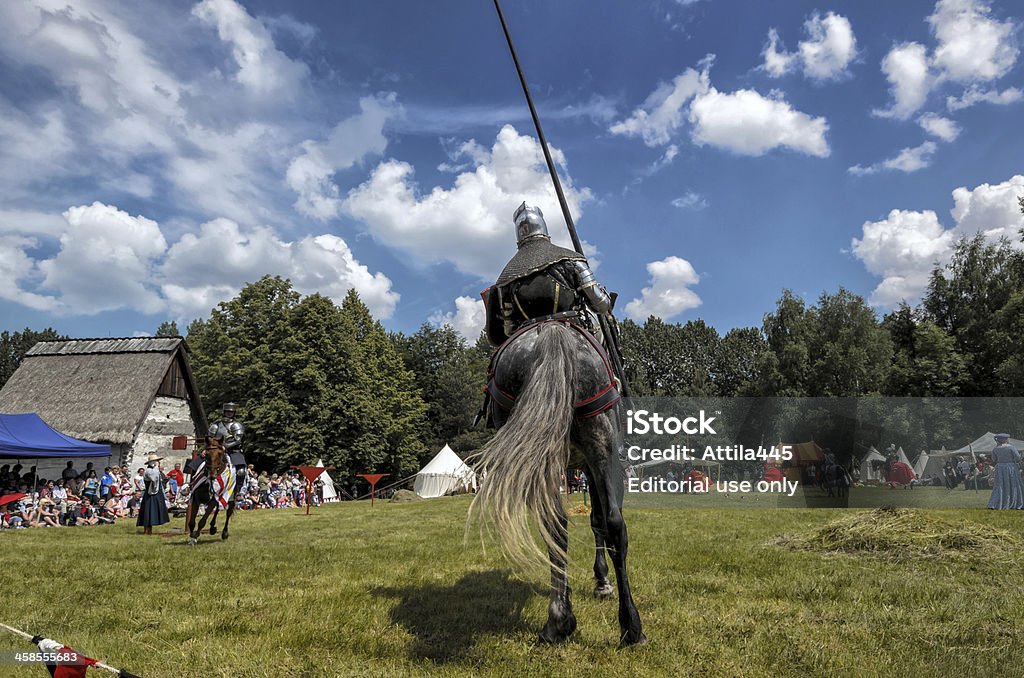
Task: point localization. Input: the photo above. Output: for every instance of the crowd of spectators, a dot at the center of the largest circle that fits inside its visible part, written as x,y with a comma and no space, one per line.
271,490
93,497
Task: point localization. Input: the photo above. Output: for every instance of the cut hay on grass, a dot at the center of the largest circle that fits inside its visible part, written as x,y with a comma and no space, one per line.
404,496
900,534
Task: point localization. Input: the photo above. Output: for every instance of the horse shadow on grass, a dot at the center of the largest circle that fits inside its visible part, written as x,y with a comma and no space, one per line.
447,620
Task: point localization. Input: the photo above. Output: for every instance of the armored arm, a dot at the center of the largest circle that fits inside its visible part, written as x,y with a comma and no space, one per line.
597,296
236,434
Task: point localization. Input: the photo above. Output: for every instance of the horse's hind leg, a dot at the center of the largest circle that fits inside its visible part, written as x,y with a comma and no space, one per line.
213,521
602,587
608,483
561,620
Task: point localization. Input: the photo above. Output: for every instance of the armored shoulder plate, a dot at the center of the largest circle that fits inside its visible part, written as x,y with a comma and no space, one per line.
533,256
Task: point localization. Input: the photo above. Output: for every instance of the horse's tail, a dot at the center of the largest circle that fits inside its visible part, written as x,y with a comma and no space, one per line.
522,465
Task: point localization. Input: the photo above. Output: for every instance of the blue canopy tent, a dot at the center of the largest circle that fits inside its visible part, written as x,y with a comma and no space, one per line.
26,436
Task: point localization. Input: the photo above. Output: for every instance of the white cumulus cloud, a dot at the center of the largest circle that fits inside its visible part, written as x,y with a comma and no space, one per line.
310,174
669,293
907,160
467,319
904,247
748,123
662,113
109,259
971,48
470,223
315,263
106,261
825,54
975,95
262,68
939,127
906,68
744,122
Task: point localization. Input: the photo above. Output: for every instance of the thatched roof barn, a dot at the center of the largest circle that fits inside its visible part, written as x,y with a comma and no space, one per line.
136,394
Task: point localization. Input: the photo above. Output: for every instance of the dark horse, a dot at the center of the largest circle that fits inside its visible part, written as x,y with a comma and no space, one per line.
836,479
544,382
203,499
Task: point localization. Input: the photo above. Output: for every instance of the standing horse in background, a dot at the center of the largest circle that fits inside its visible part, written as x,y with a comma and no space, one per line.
555,403
836,480
205,497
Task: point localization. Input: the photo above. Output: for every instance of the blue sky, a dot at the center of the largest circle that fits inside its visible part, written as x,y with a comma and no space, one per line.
155,156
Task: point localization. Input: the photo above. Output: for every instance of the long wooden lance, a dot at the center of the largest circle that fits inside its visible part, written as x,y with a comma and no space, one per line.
611,336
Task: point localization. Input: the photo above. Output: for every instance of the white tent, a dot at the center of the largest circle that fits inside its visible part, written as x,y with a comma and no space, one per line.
902,456
867,469
444,473
921,464
985,444
330,494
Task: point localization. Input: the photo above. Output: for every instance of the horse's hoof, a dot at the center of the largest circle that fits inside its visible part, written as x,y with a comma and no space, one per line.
192,541
557,632
224,536
631,640
605,592
213,530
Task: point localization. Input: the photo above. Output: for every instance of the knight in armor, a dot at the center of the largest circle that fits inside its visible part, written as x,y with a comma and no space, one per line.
541,281
231,431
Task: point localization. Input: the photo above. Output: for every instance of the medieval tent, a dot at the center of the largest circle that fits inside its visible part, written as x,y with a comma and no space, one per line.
804,453
135,395
330,494
983,445
920,463
869,470
443,474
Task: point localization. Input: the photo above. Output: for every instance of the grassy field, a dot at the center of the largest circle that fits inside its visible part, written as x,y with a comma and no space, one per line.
396,591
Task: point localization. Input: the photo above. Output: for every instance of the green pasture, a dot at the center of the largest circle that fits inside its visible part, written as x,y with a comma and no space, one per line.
395,590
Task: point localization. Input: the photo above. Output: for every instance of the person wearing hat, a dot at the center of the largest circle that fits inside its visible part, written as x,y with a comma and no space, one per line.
1008,489
154,504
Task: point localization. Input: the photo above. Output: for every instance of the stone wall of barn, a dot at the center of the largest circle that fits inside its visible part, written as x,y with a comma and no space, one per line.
167,418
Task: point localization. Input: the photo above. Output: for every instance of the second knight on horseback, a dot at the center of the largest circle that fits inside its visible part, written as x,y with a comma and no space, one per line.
232,432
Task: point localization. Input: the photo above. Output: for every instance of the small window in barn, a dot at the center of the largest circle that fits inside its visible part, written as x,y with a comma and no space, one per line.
173,384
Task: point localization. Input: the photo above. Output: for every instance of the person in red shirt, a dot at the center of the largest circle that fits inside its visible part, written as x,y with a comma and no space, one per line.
177,475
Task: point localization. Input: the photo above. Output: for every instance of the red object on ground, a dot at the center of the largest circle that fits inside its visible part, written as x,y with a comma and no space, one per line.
179,443
698,479
11,498
70,669
901,474
372,478
311,473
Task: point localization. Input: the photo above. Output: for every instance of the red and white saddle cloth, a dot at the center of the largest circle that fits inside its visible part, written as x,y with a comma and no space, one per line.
591,406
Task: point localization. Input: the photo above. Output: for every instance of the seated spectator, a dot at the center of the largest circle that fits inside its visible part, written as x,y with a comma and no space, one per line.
46,514
86,514
133,504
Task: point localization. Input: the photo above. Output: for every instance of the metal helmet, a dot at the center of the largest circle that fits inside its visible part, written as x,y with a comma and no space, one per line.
529,224
229,407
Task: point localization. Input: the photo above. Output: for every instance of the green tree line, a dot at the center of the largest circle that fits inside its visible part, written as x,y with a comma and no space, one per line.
317,379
